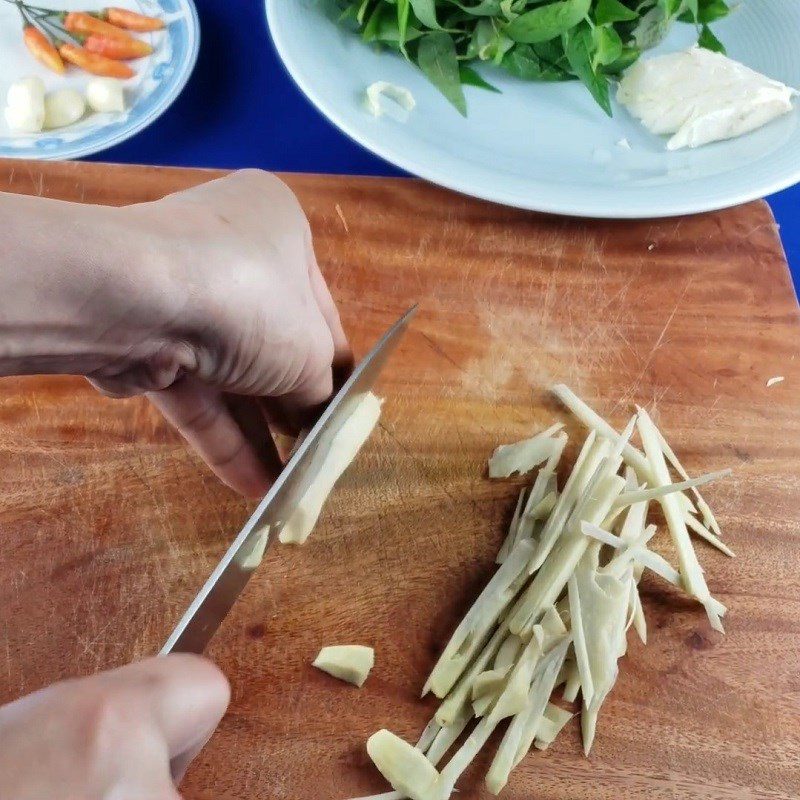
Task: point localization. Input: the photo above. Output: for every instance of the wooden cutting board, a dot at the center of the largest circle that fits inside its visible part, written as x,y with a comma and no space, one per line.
109,525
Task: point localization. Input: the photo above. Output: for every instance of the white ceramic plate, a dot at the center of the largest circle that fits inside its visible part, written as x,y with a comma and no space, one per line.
548,147
159,80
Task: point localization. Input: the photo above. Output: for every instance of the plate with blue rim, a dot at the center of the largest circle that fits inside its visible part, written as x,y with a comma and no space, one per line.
548,146
158,81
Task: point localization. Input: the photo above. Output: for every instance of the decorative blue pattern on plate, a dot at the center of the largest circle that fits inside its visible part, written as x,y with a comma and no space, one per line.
159,80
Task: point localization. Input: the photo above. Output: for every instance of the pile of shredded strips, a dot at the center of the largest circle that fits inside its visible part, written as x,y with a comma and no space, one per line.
558,608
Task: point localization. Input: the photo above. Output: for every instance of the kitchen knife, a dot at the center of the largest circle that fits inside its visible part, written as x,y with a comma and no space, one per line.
215,599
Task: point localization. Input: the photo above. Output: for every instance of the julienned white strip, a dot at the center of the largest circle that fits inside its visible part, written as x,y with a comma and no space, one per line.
629,498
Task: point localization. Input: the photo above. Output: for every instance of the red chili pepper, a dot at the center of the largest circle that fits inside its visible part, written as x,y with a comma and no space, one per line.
117,49
86,24
94,63
42,49
124,18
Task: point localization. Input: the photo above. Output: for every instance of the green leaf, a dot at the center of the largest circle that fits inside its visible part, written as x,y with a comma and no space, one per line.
690,9
652,28
436,57
709,41
712,10
708,11
471,78
608,46
613,11
370,30
403,8
626,58
488,43
546,22
484,8
580,52
425,12
523,62
362,11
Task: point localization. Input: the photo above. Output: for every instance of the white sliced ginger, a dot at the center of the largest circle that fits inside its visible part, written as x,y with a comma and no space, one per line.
106,95
691,571
445,739
405,767
63,107
633,457
257,549
591,455
646,558
697,527
700,96
521,731
373,97
544,485
511,537
573,684
337,450
348,662
523,456
595,502
604,601
478,621
628,498
510,702
455,704
24,111
552,723
508,652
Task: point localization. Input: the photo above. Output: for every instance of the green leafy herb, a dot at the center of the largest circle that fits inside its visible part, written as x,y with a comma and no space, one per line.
608,11
579,51
709,41
543,23
437,58
471,78
534,40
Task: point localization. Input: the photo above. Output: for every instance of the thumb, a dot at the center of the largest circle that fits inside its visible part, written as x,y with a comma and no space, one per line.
187,696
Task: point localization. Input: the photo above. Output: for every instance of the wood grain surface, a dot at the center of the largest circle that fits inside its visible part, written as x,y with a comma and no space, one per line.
108,525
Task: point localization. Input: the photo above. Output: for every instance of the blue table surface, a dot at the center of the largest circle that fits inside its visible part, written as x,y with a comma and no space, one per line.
241,109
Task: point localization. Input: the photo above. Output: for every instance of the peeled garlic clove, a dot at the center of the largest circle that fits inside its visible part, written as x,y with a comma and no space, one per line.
105,94
26,92
25,105
63,107
23,120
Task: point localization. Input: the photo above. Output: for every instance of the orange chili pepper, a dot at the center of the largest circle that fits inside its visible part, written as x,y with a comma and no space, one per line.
117,49
94,63
80,22
42,49
124,18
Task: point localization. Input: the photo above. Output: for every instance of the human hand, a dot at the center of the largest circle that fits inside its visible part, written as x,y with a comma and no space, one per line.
202,299
127,734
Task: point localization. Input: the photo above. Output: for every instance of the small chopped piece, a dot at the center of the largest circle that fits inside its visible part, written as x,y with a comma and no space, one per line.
335,453
399,94
405,767
523,456
348,662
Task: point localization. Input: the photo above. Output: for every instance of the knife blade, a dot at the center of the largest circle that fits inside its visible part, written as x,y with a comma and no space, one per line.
217,596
